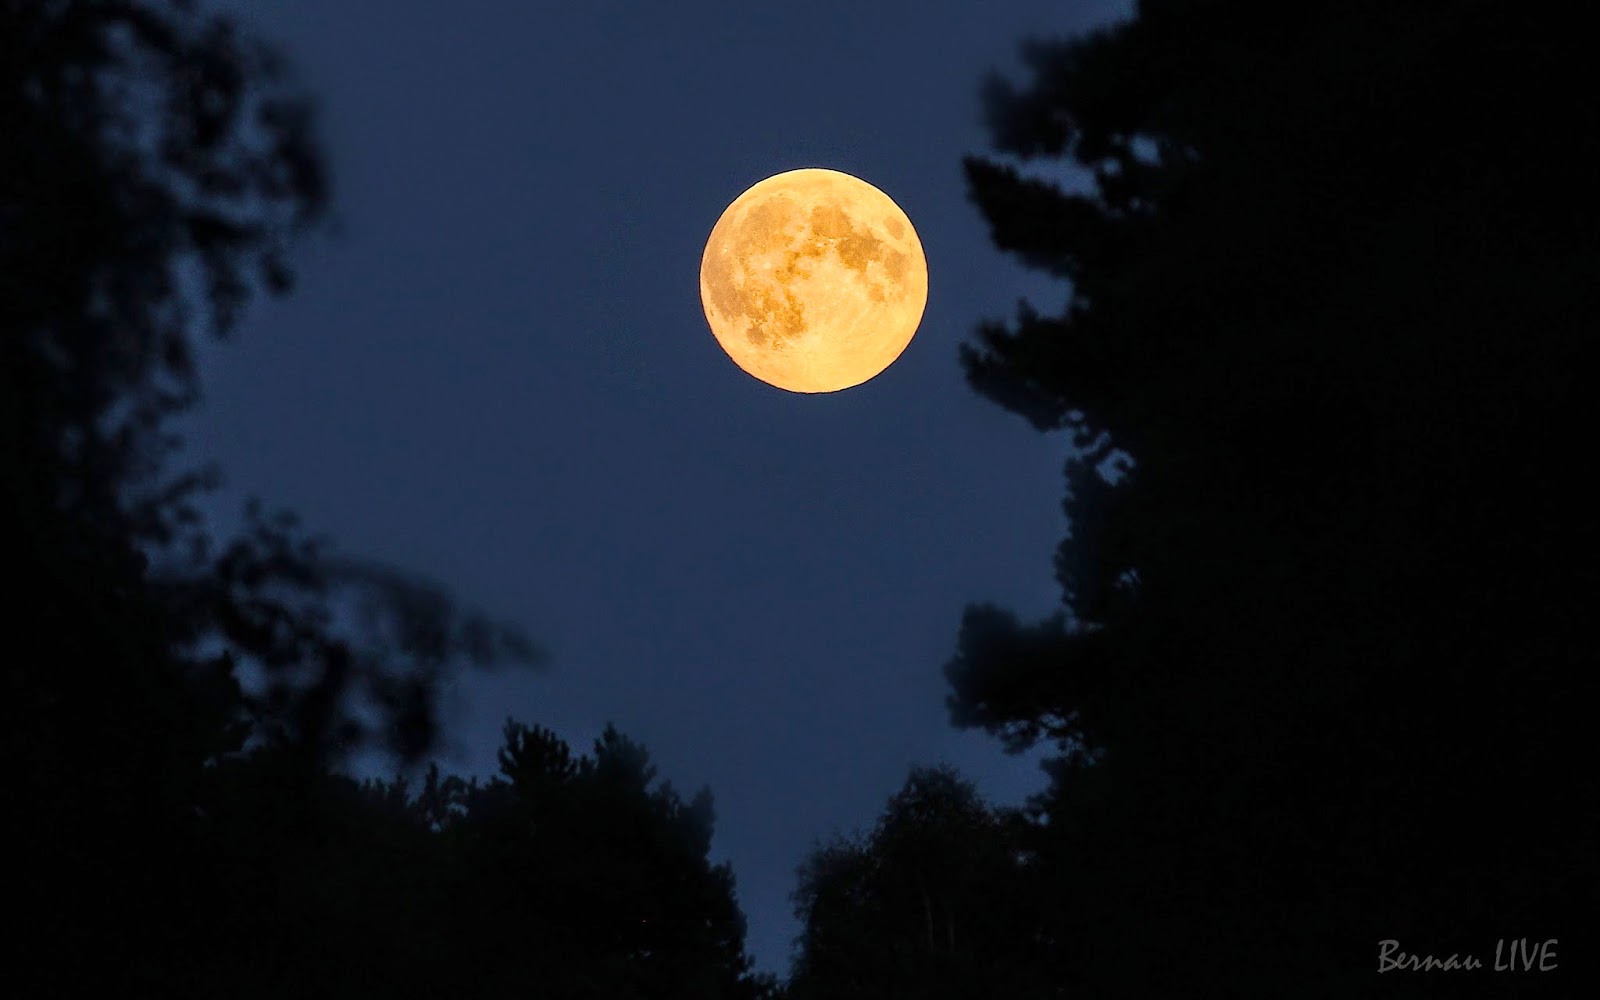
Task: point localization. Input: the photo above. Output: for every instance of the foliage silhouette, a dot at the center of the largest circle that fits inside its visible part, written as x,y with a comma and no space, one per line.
935,902
155,170
1317,680
565,876
150,148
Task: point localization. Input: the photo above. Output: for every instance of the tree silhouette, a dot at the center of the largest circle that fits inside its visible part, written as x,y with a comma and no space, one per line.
599,876
935,902
1315,684
566,876
150,149
155,168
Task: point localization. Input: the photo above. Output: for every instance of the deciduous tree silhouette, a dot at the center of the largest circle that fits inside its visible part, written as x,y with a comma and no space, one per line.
145,144
1321,676
935,902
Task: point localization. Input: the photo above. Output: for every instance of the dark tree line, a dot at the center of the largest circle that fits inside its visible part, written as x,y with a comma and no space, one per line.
936,901
172,831
1322,673
564,876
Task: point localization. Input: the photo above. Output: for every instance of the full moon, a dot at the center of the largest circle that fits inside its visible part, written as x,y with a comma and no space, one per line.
813,281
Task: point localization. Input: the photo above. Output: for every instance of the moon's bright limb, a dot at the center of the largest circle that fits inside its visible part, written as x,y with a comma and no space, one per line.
813,281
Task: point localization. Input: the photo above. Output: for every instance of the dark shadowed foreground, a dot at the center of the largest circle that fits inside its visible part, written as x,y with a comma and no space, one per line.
174,831
1325,672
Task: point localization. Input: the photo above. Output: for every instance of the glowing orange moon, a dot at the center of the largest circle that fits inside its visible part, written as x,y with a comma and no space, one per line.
813,281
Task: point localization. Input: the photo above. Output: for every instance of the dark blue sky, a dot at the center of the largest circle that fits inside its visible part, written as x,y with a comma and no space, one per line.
499,375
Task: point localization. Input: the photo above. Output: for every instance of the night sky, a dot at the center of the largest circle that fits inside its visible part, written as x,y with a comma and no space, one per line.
497,373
